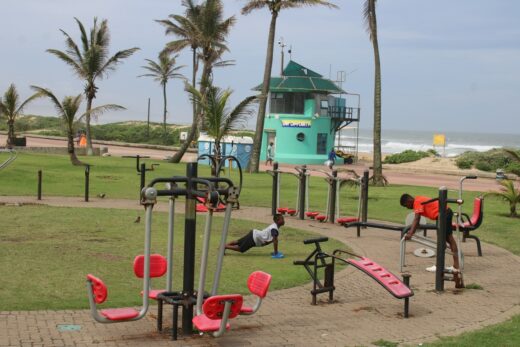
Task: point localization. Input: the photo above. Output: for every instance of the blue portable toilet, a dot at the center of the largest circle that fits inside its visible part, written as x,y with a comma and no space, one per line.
237,146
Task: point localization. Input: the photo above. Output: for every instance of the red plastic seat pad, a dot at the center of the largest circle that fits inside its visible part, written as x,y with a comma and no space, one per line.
203,323
120,313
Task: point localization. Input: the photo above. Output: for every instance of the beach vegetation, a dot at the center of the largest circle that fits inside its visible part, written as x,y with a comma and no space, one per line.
162,71
510,194
90,61
204,30
219,120
406,157
11,107
491,160
68,109
274,6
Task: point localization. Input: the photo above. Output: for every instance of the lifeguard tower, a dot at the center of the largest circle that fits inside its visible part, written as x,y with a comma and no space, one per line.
305,113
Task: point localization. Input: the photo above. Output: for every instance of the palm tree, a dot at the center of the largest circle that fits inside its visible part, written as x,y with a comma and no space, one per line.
162,71
274,6
511,194
369,14
67,110
204,30
91,61
218,119
11,107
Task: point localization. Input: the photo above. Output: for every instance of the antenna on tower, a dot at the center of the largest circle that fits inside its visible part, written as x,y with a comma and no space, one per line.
282,46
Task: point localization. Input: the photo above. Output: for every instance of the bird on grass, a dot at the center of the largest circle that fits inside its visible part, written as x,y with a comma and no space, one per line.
101,195
138,219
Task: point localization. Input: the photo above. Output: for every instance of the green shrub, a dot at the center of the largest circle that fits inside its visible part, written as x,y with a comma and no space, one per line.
513,167
483,166
464,163
405,157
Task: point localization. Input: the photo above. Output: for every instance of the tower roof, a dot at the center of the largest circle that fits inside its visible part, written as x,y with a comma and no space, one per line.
298,78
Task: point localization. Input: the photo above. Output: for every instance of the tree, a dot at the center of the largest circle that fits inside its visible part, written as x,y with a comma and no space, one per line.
162,71
11,107
91,62
511,194
218,119
67,110
369,14
204,30
274,6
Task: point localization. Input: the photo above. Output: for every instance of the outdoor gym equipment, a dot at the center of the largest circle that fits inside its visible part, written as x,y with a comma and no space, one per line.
302,197
12,157
319,259
464,223
141,168
216,168
97,291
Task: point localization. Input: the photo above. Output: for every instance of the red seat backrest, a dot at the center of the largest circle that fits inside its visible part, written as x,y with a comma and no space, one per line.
158,265
477,211
258,283
214,306
98,288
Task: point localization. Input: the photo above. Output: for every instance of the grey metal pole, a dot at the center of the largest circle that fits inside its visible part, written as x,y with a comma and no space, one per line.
332,197
406,280
143,175
441,239
148,121
204,260
302,192
274,200
222,247
171,219
189,248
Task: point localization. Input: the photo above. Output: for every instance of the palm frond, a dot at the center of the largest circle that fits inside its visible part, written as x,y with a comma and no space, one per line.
77,69
305,3
114,60
72,48
84,37
254,5
99,110
369,16
46,92
514,154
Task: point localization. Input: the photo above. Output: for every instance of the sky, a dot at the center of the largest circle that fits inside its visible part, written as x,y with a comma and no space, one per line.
446,65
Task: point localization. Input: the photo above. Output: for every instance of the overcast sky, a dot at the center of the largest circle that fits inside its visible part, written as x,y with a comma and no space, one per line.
446,65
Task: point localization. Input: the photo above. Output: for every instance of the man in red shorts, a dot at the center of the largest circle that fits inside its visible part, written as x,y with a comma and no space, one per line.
431,211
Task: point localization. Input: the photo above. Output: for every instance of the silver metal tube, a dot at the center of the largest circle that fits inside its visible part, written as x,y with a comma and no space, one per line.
337,198
204,260
307,192
169,272
278,192
298,194
147,247
222,248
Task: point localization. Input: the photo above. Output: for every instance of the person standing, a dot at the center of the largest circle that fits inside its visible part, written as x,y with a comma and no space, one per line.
270,155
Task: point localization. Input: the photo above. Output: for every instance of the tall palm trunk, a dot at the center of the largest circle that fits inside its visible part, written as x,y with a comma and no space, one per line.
164,109
70,149
260,120
194,125
87,126
10,133
378,178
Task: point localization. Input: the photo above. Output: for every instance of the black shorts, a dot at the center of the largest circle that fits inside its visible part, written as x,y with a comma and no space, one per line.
246,242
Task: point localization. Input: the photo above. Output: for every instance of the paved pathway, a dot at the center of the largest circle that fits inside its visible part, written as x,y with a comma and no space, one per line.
363,312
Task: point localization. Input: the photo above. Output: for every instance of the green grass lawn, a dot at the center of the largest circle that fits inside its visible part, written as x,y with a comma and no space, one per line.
59,246
46,252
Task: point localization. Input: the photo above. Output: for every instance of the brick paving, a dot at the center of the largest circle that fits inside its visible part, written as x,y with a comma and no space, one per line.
362,313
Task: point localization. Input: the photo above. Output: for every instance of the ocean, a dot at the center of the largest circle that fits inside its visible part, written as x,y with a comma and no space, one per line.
396,141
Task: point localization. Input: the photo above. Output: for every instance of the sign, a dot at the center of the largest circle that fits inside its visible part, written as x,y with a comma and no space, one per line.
439,140
296,123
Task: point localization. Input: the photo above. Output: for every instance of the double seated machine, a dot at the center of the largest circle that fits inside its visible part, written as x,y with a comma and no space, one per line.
212,311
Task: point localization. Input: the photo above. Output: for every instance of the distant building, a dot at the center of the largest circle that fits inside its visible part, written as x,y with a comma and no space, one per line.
305,111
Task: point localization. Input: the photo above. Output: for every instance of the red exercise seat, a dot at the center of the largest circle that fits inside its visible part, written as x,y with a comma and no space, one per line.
158,267
344,220
282,210
100,293
321,218
203,208
312,215
214,313
258,284
472,223
291,211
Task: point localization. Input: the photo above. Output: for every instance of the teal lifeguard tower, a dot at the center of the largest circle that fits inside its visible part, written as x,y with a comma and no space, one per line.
305,113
